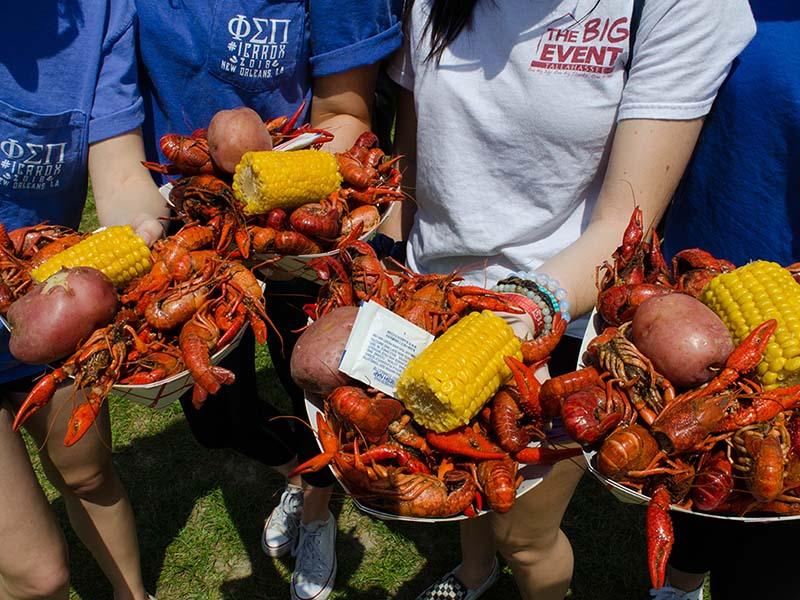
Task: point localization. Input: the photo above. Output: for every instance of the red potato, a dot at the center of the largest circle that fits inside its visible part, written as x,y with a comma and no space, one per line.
233,132
318,351
51,320
686,341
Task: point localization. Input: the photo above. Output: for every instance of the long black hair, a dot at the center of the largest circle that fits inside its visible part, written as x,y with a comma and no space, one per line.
446,20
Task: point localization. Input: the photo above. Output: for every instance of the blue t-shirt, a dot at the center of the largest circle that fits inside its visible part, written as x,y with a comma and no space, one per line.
740,196
201,56
67,80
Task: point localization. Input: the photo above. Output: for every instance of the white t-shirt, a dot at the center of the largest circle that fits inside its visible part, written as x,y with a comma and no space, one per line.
514,124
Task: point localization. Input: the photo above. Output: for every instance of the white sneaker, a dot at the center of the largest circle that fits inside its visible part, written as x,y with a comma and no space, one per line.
450,587
315,570
280,530
670,593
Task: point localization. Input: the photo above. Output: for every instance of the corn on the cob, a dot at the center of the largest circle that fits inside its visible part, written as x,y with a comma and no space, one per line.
450,381
750,295
266,180
116,251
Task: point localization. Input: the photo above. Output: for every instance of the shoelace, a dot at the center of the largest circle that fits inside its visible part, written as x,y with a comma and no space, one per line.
309,554
290,507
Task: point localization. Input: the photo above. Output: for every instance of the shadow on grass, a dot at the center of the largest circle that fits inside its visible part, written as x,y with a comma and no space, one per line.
223,497
167,473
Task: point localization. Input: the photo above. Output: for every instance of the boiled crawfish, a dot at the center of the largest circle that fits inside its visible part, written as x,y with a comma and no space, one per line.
96,367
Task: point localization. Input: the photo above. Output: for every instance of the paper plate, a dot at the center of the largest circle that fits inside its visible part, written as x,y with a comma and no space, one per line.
532,476
629,496
160,394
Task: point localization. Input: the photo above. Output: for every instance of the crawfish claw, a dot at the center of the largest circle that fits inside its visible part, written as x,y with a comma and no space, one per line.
81,420
39,396
660,536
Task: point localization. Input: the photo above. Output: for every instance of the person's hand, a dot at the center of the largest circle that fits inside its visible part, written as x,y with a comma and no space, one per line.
148,228
522,324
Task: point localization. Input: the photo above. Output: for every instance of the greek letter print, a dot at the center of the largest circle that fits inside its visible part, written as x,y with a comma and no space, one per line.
254,45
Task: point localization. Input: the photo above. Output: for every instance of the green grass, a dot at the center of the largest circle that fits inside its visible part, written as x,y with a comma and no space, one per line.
200,514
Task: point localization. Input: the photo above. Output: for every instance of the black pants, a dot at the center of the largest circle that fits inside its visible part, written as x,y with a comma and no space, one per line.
747,561
285,300
237,418
565,357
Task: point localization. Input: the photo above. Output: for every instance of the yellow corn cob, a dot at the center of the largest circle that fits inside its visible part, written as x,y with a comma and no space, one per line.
450,381
116,251
752,294
266,180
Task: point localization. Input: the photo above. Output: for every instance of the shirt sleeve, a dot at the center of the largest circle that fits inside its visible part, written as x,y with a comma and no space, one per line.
400,68
683,52
353,33
117,106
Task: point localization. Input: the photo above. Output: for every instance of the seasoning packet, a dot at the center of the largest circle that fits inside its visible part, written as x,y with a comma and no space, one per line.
379,347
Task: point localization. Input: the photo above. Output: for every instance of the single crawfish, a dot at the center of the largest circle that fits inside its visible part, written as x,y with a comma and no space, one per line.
499,481
179,304
590,413
319,220
370,279
693,268
420,495
240,287
761,454
188,155
27,241
197,338
556,389
627,449
370,415
638,272
648,391
713,482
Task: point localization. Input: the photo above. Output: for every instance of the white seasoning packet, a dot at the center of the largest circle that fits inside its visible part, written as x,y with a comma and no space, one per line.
379,347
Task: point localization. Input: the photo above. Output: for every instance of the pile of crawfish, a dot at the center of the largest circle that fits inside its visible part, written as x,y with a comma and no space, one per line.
203,194
392,464
725,447
192,303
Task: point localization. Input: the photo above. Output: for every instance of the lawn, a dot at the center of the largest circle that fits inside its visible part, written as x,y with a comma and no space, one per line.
200,514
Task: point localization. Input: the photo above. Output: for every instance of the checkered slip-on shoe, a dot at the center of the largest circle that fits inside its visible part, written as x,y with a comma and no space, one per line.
450,588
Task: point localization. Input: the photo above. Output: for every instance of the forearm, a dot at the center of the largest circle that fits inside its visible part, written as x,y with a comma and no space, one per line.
647,161
123,190
342,105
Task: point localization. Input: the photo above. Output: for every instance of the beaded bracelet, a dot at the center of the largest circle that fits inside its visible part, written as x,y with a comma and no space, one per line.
543,290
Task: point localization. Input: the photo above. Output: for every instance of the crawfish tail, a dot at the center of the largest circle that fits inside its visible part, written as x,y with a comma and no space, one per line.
196,339
499,481
505,416
176,308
